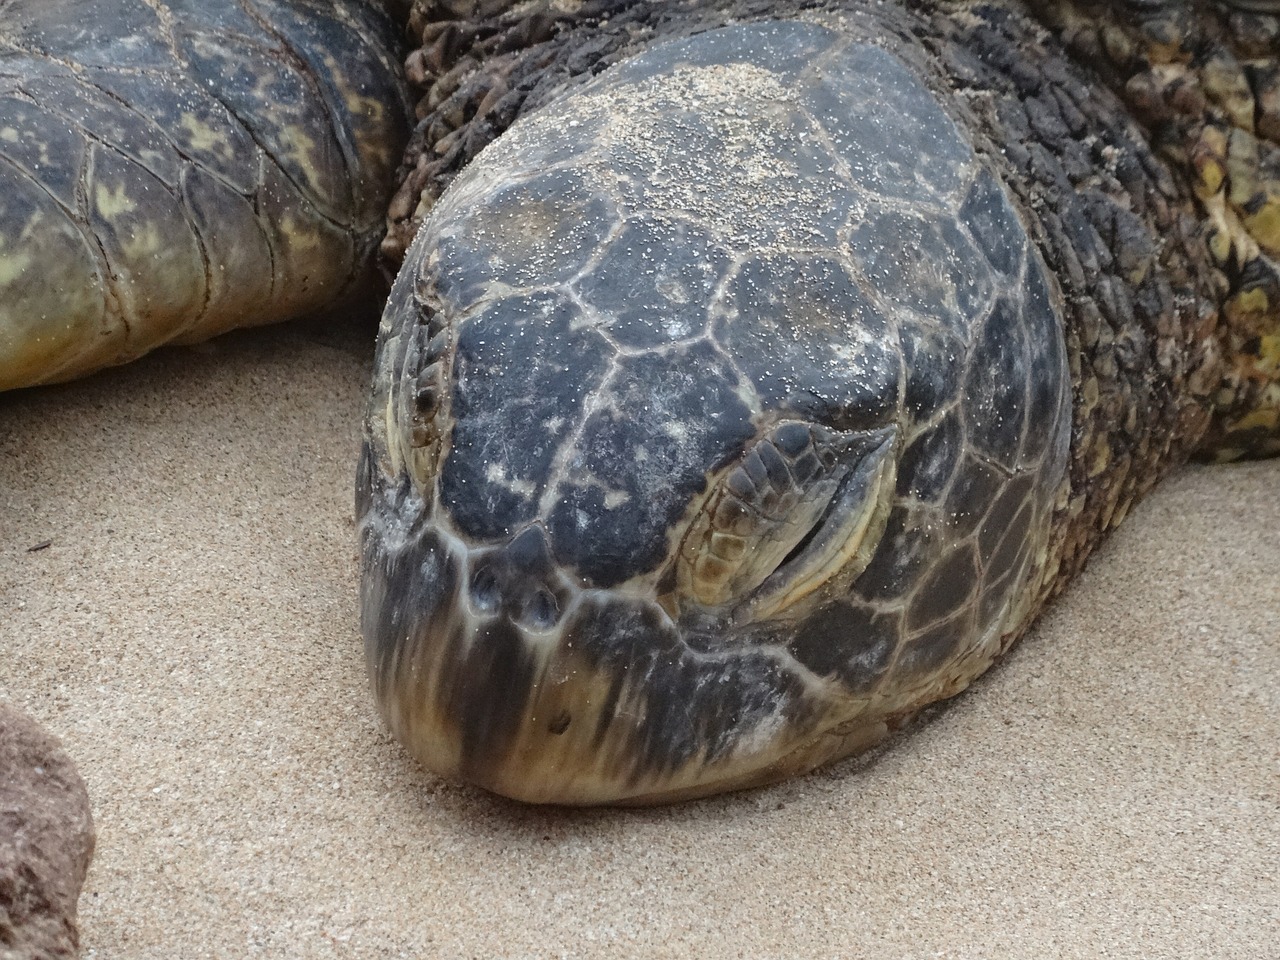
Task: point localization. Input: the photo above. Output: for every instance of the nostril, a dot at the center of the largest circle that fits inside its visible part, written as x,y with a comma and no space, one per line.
484,590
541,610
559,723
427,399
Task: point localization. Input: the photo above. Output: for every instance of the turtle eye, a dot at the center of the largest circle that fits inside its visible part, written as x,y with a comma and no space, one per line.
416,403
805,505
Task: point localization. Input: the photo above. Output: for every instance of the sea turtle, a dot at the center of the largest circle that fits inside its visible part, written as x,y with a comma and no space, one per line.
758,371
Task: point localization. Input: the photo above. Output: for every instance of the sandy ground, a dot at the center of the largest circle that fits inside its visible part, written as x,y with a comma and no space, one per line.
1113,789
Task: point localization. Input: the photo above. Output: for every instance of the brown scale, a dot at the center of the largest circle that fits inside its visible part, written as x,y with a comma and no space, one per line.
1206,81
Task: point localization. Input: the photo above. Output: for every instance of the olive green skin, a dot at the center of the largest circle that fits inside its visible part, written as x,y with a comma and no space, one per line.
169,172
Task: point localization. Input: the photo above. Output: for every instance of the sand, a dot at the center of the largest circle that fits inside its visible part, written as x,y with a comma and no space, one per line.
1112,789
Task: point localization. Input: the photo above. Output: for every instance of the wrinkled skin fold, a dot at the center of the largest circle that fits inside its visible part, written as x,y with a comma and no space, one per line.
691,465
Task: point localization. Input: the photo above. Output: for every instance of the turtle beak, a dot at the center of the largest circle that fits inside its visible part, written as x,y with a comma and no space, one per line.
491,666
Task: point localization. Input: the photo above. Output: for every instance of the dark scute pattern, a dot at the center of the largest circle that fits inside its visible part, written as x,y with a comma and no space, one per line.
536,232
1132,328
922,655
1003,512
926,467
626,639
887,126
976,485
949,585
902,554
672,418
925,264
933,361
1008,552
850,642
792,438
654,282
996,228
1012,566
812,342
512,414
996,386
410,588
231,234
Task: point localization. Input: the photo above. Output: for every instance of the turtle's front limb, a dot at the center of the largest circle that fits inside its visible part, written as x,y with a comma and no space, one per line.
166,176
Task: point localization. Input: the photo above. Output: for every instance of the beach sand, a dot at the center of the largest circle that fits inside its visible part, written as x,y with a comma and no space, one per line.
1111,789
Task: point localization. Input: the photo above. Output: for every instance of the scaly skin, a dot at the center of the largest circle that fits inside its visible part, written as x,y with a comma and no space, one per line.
167,174
1123,231
1205,80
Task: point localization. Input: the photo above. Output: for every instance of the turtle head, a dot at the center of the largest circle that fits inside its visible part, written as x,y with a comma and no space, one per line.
688,467
575,657
584,564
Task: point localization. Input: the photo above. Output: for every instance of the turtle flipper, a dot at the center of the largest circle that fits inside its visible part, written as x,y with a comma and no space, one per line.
171,171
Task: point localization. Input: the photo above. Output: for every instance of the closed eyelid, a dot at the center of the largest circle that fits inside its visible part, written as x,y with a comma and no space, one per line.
788,499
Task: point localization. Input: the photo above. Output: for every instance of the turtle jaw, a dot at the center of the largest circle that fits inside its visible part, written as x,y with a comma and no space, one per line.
489,666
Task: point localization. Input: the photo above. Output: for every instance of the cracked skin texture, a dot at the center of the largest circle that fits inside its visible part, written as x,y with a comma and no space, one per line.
179,170
1205,80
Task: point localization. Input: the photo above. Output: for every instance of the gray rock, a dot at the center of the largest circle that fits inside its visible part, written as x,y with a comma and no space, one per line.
46,842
